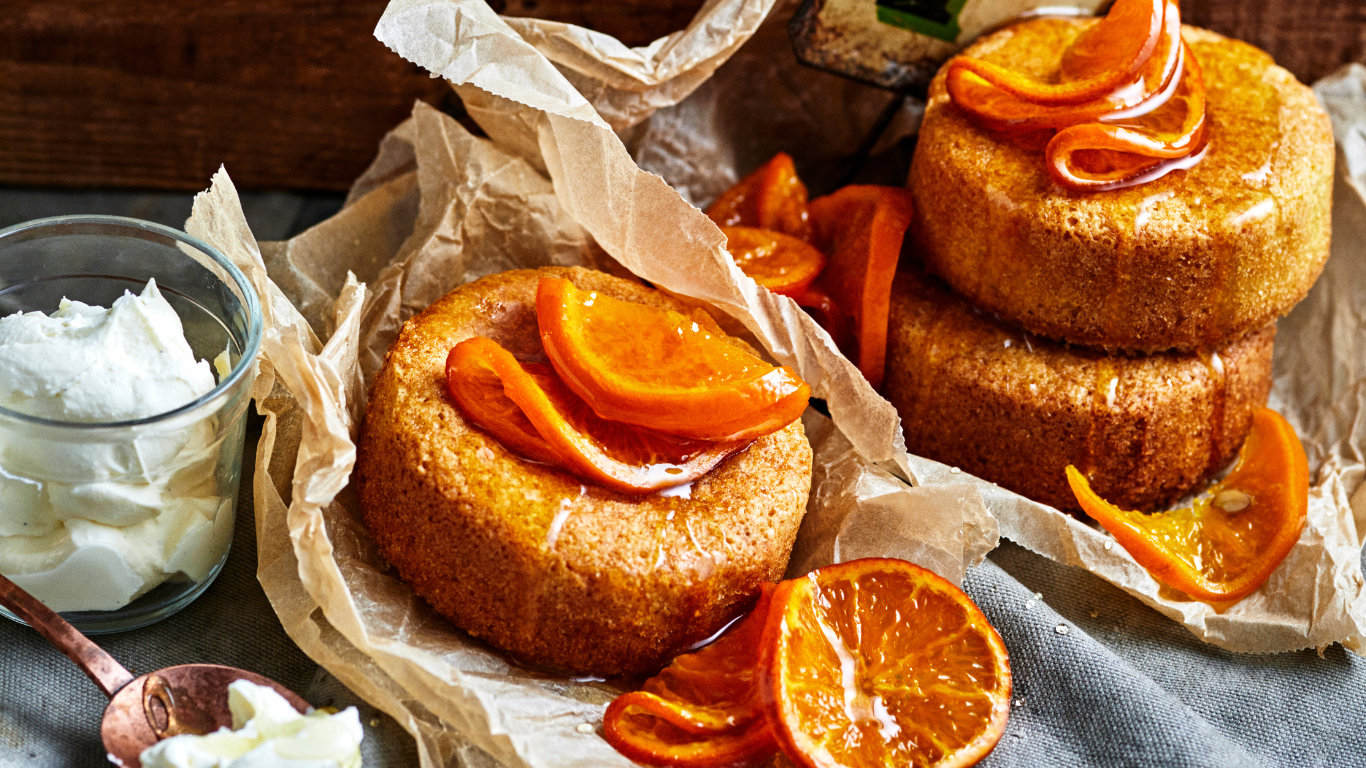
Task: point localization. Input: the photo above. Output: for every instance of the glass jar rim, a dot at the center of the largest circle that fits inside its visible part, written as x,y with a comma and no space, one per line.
255,323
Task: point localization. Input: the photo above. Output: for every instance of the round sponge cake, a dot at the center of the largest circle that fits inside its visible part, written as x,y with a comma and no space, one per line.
1191,260
1016,409
555,571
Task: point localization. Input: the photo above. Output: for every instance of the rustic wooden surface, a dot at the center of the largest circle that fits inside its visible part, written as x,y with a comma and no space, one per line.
297,93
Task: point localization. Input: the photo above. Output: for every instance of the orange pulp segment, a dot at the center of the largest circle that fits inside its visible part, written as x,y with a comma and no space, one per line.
702,710
662,370
618,456
781,263
879,662
1102,59
772,197
1226,545
861,228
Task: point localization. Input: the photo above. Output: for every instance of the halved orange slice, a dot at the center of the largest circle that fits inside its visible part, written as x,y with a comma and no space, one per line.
619,456
772,197
879,662
781,263
1227,545
662,370
702,710
861,228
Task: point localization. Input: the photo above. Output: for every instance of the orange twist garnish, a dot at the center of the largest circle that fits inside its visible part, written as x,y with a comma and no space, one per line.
702,710
1002,111
1225,546
530,411
772,197
1106,155
781,263
1099,61
662,370
1150,122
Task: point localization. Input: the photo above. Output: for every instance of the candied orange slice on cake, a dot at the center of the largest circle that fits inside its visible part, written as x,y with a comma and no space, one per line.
1003,111
1225,546
879,662
702,710
781,263
1115,151
861,228
772,197
1102,58
528,409
662,370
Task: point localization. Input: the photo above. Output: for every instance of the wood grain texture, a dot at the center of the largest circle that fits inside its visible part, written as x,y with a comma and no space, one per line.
1311,38
297,93
128,93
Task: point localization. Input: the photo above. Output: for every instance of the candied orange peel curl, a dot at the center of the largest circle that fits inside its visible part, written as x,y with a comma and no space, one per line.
1128,107
1225,546
704,709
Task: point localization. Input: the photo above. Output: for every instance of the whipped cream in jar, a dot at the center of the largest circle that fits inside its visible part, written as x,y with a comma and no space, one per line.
127,355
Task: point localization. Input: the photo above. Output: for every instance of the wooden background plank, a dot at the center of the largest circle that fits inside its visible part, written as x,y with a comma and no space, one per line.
297,93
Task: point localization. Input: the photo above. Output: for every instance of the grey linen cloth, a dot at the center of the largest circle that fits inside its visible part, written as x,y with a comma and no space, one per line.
1100,679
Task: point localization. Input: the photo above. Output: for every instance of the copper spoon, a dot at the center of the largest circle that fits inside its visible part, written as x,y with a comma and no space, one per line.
190,698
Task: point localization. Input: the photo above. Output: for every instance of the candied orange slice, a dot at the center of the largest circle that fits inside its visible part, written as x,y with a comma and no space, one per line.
829,316
781,263
702,710
879,662
861,228
1227,545
1101,59
1000,110
662,370
772,197
1116,152
572,436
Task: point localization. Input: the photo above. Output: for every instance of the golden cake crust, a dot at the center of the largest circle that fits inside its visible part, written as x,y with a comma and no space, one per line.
553,570
1016,409
1192,260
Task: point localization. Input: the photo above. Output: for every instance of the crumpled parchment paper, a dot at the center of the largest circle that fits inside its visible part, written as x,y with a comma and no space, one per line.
440,207
555,184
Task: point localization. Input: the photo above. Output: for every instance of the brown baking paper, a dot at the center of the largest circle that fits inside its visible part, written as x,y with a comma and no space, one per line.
757,103
555,185
440,207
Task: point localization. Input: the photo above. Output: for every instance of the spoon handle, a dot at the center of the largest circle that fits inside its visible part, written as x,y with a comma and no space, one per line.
108,674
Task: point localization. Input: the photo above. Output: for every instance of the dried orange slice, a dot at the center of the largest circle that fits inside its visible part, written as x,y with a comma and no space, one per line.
879,662
781,263
772,197
662,370
702,710
1227,545
619,456
1101,59
861,228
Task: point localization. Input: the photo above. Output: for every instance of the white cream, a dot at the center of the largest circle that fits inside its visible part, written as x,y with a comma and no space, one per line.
94,524
266,733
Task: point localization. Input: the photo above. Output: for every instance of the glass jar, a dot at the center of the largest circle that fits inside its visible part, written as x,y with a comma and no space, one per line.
117,525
